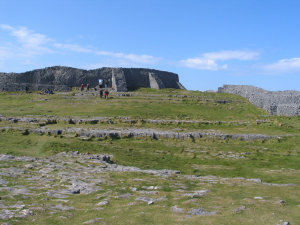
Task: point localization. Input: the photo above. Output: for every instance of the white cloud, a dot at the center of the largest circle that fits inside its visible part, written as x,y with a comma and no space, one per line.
200,63
229,55
27,44
284,66
127,59
208,61
138,59
73,47
26,37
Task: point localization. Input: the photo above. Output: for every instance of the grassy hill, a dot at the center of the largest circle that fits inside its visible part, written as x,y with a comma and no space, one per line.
211,179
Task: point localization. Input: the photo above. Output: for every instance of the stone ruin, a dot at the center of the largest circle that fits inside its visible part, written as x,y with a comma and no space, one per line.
59,78
286,103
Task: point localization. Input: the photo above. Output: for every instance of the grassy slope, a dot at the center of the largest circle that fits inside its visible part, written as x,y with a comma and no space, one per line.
202,107
274,161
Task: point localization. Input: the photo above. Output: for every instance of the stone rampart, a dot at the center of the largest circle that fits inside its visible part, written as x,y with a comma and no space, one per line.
60,78
285,103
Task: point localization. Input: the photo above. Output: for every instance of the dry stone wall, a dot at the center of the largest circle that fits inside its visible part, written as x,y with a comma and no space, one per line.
60,78
285,103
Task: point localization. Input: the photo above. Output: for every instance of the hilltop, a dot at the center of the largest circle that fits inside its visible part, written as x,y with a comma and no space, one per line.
60,78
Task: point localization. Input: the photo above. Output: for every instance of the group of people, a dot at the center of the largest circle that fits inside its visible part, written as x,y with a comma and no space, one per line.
105,93
47,92
102,93
87,87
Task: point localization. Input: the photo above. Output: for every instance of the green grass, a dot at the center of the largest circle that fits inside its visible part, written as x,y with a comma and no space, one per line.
204,108
201,157
273,161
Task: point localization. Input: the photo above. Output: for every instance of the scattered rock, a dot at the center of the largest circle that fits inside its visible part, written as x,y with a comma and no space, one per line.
102,203
149,201
280,202
149,192
258,198
61,207
56,195
177,210
133,189
63,217
195,194
24,213
17,205
281,222
255,180
93,221
6,214
29,166
6,223
201,212
74,191
6,157
127,195
81,187
151,187
3,182
239,209
132,203
16,191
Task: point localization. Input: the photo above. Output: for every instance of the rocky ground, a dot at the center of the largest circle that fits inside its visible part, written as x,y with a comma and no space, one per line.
31,185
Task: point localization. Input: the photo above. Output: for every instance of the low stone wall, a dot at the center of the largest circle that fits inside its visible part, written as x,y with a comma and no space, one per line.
140,133
30,86
285,103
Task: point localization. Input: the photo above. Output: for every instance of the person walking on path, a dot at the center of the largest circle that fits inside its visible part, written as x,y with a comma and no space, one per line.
101,93
81,87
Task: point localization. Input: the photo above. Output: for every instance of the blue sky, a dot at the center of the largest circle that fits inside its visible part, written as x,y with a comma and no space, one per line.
207,42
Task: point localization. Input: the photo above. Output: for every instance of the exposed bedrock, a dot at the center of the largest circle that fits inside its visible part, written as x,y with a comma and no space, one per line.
286,103
61,78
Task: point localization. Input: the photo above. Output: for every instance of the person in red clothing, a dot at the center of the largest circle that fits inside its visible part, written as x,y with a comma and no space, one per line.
106,93
81,87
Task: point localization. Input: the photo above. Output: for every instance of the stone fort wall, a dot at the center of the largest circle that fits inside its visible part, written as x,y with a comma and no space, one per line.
60,78
285,103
